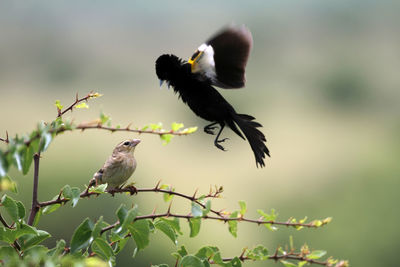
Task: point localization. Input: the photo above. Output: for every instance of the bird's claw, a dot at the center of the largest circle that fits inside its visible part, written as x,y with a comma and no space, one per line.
216,143
132,189
210,129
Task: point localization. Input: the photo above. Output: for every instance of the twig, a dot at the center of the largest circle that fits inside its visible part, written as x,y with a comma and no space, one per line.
35,204
6,140
77,101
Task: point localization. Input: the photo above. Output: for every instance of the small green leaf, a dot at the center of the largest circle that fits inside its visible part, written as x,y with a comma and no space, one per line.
27,159
243,208
258,253
194,224
189,130
208,208
45,141
104,118
166,138
58,105
316,254
102,248
196,210
6,183
140,232
100,224
82,105
206,252
130,217
167,229
167,197
288,264
51,208
58,249
120,245
233,224
25,229
176,126
174,223
32,240
21,209
155,127
8,253
98,189
82,236
191,261
75,195
7,235
11,207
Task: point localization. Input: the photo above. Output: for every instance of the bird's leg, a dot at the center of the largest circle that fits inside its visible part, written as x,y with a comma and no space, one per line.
216,141
210,128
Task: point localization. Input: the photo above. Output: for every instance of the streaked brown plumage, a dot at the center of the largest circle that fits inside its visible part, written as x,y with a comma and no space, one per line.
118,167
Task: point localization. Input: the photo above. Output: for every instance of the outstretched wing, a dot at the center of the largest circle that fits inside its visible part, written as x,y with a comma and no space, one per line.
223,58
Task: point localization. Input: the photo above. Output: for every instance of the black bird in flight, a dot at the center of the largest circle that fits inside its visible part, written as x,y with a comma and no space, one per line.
221,62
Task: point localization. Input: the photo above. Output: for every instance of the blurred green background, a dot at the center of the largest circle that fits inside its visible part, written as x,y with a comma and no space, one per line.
323,78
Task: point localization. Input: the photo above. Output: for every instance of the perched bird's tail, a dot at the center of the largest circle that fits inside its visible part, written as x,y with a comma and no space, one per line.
255,137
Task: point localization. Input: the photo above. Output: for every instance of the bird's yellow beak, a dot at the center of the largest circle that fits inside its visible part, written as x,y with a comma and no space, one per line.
193,61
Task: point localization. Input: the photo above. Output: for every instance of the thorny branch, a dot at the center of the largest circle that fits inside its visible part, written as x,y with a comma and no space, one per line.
288,256
77,101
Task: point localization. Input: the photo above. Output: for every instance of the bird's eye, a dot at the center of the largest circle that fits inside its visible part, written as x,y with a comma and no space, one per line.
127,143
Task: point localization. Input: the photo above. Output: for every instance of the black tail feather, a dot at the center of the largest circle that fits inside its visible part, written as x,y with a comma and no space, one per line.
255,137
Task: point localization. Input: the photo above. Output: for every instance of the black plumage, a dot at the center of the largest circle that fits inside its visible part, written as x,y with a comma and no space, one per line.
194,86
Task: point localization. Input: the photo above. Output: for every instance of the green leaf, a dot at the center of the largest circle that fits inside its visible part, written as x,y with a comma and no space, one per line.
208,208
27,159
236,262
8,253
174,223
243,208
100,224
82,105
99,189
11,207
37,217
196,210
166,138
75,193
104,118
6,183
58,105
7,235
189,130
258,253
194,224
167,197
288,264
32,240
58,249
191,261
120,245
130,217
206,252
51,208
316,254
233,224
45,141
25,229
269,217
167,230
21,209
176,126
140,232
155,127
82,236
102,248
17,160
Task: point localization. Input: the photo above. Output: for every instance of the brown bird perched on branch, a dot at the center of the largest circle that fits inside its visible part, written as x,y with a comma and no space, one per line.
118,167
